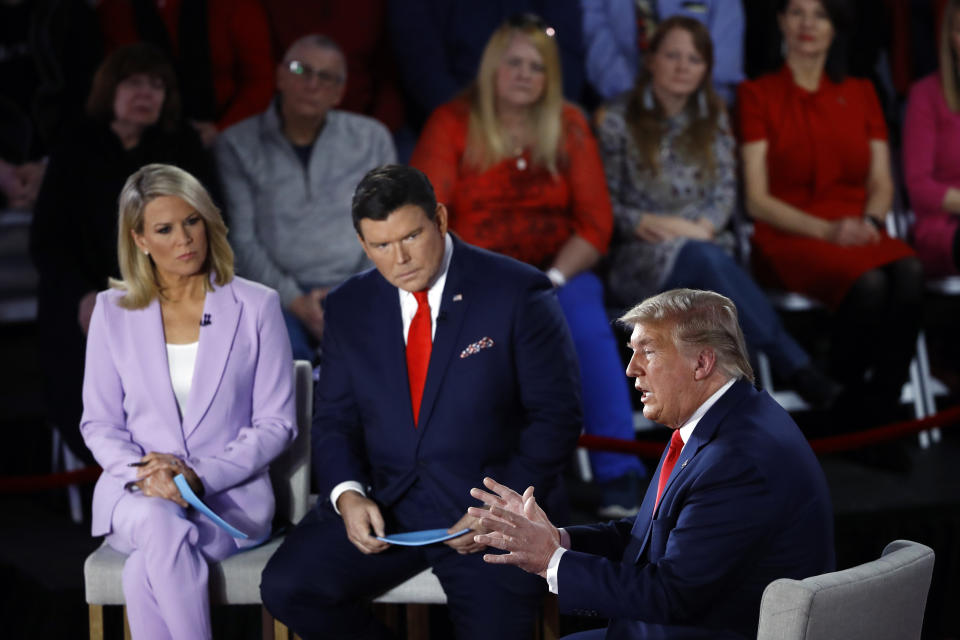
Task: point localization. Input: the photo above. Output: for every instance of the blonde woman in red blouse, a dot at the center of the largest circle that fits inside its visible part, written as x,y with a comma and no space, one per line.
519,171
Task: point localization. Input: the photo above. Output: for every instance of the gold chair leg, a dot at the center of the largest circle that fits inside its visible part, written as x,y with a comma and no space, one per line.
418,622
551,617
126,625
96,621
280,631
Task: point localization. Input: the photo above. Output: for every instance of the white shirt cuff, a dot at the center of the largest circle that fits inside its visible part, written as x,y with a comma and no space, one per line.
348,485
553,566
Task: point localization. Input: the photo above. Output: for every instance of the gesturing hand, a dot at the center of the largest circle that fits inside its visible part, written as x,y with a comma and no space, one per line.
530,544
518,525
506,498
361,514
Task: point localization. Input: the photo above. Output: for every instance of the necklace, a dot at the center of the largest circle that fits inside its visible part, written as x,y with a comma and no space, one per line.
521,161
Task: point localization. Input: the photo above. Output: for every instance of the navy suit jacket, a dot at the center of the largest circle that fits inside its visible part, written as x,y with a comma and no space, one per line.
747,503
510,410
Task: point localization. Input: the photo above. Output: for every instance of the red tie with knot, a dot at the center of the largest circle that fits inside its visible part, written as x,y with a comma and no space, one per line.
676,444
419,344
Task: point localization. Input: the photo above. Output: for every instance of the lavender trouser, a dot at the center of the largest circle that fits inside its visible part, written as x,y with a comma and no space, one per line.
165,575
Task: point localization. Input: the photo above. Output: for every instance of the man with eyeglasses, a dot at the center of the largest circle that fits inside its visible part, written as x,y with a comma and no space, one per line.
288,176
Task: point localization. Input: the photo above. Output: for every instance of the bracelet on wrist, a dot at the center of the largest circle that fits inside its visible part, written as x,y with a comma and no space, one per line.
878,225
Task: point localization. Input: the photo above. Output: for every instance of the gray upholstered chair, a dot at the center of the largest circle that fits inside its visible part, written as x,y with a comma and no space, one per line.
236,580
880,600
424,589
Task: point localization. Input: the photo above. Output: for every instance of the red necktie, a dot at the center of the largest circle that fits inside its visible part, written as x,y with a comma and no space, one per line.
676,444
419,344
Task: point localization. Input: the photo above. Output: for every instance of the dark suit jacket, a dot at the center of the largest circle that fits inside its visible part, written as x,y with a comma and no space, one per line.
510,410
746,503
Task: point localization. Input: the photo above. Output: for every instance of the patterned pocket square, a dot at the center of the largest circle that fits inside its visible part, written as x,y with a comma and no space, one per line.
482,343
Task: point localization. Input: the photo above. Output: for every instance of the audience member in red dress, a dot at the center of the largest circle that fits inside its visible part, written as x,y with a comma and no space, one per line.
221,49
931,155
359,27
818,185
520,174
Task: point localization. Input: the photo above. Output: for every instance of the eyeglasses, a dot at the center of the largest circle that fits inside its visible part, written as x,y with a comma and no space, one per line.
524,21
305,72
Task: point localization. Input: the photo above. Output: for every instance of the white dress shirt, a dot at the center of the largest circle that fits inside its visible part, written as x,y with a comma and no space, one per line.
553,567
408,308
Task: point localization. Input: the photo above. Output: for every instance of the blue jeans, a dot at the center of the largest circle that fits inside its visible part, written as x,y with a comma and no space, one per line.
606,396
704,265
303,344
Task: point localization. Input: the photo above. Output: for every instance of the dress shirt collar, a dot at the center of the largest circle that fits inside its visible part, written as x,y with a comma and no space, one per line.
687,429
408,302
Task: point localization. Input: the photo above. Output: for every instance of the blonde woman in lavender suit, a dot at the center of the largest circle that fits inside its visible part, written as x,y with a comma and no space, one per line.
188,370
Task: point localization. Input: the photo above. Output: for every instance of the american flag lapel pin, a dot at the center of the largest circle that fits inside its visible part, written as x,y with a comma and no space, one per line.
458,297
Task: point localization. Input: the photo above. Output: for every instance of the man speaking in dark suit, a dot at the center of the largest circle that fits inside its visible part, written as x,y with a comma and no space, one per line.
738,500
443,365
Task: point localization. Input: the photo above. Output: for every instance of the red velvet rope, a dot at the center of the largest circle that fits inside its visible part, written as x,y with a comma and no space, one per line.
830,444
42,482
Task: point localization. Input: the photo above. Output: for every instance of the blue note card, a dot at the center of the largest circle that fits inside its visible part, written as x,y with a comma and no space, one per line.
420,538
198,504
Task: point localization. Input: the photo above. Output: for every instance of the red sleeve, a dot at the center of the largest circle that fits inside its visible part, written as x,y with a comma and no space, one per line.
253,67
590,200
440,148
876,123
752,112
116,24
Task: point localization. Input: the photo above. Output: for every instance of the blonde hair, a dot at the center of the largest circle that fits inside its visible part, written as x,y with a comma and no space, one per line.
486,144
698,319
139,276
949,73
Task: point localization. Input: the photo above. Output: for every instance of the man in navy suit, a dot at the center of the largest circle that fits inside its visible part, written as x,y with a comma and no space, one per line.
443,365
739,499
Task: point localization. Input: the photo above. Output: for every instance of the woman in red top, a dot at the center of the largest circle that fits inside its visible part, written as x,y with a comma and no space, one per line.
817,172
520,174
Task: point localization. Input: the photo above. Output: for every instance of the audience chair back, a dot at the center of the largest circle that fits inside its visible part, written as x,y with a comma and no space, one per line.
881,600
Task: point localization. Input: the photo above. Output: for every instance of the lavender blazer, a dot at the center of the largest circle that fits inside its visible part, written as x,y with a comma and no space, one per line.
239,416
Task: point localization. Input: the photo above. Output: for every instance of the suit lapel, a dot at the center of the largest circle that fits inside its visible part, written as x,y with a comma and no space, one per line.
453,309
154,366
386,330
216,339
701,436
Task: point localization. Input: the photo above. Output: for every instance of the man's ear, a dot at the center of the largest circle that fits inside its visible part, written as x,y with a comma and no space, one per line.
706,362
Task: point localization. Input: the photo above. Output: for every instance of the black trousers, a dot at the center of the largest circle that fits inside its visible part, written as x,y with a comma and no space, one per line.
319,584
